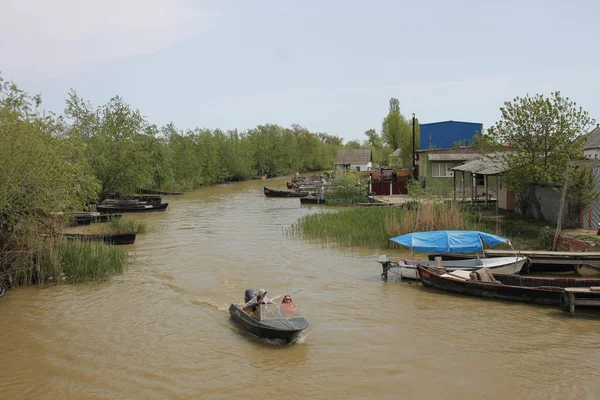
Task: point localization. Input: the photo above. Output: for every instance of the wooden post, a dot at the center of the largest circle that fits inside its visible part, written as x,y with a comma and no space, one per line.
571,303
473,187
563,195
497,192
485,177
463,186
454,183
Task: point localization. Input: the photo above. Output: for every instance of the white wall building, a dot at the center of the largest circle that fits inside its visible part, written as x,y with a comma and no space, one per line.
591,150
354,160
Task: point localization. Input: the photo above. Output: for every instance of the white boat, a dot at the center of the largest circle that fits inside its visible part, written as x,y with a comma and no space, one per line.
499,265
461,242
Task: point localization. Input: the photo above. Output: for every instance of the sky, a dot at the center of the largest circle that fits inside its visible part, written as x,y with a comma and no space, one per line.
328,65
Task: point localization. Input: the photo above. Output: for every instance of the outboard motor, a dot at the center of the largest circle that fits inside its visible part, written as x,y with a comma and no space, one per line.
386,263
248,294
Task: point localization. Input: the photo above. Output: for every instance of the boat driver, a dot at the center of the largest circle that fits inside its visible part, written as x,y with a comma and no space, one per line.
256,301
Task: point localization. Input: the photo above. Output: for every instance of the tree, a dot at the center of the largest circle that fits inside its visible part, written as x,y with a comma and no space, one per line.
545,135
397,132
374,139
353,144
42,170
582,191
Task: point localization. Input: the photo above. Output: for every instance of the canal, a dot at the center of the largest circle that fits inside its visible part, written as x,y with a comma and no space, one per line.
162,330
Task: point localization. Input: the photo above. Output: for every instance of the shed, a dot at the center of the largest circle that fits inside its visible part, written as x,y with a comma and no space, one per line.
486,166
354,159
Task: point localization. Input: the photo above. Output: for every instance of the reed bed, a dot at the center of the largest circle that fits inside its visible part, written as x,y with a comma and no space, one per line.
375,226
56,260
126,225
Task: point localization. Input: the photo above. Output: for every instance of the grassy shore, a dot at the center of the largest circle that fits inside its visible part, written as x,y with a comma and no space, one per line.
375,226
58,261
126,225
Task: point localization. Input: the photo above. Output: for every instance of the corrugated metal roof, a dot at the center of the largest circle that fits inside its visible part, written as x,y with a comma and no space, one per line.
452,156
484,166
353,156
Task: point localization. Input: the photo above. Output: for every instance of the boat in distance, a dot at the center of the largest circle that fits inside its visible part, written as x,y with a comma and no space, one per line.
283,193
313,200
108,238
269,321
130,208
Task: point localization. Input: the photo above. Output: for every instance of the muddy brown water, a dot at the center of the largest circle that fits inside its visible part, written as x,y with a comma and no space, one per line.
162,330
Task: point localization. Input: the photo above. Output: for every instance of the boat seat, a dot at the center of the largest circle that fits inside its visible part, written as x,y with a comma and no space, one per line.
483,275
453,277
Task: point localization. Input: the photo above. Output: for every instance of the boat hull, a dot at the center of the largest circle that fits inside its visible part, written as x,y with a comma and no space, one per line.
109,238
268,331
118,208
545,291
283,193
312,200
498,265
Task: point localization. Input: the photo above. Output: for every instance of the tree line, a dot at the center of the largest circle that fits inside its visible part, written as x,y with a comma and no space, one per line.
61,162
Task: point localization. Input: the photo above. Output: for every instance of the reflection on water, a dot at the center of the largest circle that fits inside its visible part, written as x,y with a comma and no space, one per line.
162,330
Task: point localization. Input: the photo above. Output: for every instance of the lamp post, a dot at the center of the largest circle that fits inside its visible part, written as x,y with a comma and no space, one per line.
414,171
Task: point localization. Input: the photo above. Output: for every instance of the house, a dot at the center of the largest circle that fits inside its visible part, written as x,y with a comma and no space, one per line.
354,159
591,149
396,158
435,167
446,134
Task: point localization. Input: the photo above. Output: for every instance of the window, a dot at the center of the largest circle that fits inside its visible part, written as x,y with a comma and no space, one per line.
442,170
358,168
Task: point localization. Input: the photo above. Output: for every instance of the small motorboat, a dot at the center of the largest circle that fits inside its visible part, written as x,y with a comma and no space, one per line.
270,321
461,242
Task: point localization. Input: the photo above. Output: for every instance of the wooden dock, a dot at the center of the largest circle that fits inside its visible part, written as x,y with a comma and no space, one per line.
581,296
550,259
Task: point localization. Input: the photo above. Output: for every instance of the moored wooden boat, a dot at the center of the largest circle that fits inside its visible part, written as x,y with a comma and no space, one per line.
537,290
313,200
130,208
108,238
149,191
271,324
451,241
283,193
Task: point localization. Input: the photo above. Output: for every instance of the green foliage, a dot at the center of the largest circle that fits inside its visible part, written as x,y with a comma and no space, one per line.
545,135
581,191
58,261
374,139
350,188
396,132
89,261
374,226
479,139
126,225
41,170
545,238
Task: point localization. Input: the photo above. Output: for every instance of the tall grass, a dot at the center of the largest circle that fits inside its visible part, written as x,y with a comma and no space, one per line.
126,225
56,260
375,226
90,261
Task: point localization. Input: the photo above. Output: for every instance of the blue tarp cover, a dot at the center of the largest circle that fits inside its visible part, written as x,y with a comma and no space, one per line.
448,241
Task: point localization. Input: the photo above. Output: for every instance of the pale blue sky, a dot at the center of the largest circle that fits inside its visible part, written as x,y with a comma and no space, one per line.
328,65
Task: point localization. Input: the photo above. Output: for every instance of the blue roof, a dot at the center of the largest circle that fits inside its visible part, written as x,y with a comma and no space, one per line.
449,241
